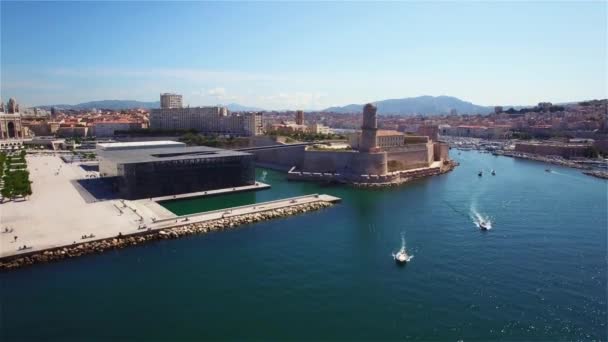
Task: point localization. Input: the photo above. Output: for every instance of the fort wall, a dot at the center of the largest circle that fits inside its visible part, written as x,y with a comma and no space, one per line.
285,157
344,162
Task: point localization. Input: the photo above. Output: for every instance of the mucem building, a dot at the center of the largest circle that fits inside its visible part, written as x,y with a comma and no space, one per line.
144,173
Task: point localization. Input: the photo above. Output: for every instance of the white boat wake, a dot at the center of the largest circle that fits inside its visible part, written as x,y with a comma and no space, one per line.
401,255
263,178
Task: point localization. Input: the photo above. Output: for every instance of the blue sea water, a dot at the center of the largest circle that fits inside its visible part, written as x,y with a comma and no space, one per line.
538,274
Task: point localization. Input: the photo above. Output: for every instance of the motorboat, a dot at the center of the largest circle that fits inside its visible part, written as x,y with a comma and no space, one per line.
483,225
547,170
493,173
401,257
480,173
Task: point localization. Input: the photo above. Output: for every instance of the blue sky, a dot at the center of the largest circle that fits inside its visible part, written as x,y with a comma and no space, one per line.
303,55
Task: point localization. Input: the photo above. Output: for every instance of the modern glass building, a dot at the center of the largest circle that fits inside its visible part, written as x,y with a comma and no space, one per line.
154,172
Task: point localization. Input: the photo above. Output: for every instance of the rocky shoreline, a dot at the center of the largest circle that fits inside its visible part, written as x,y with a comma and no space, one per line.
123,241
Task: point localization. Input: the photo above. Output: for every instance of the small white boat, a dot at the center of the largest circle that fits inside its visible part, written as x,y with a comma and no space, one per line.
402,257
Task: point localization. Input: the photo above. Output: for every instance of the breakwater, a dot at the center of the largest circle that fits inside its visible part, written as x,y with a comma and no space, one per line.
173,232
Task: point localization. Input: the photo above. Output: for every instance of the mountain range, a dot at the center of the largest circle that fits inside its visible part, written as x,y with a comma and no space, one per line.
106,104
426,105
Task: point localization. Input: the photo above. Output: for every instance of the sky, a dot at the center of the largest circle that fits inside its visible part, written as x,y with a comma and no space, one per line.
291,55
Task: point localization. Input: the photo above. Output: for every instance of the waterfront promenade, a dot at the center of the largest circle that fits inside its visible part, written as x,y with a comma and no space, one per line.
56,215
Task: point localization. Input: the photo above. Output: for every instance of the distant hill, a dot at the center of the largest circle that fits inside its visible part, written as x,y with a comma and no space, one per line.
426,105
235,107
131,104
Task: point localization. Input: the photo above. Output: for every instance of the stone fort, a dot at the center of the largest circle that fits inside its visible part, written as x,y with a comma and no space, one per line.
371,153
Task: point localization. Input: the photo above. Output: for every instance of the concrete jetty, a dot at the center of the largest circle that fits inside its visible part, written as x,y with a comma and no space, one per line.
255,187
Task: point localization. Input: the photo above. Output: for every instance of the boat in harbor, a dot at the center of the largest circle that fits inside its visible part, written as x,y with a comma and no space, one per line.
401,257
493,173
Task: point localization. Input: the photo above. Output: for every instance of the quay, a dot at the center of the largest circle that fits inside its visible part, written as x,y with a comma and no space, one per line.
255,187
165,228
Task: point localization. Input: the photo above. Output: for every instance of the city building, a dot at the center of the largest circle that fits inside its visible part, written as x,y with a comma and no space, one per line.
10,121
168,100
299,117
162,171
318,128
565,150
384,139
431,131
207,120
108,128
72,130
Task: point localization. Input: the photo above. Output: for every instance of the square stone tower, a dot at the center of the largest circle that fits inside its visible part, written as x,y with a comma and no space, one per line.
369,129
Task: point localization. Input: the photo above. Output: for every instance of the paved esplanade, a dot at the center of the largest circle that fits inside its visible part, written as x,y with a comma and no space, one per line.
57,215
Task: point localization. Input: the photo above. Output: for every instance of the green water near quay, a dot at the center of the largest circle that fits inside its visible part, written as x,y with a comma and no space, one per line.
539,274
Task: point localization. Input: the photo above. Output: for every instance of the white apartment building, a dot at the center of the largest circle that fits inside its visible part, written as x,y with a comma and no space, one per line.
213,120
108,128
319,129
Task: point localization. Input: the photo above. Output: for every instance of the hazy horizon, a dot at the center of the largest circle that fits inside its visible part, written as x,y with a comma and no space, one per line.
303,55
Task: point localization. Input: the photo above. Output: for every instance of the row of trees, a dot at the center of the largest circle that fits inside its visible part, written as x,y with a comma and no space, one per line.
2,161
307,136
15,177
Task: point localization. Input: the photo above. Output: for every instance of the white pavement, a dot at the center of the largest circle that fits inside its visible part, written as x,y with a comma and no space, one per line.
56,214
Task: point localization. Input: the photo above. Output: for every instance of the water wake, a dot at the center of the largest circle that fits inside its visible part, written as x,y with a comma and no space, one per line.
263,178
